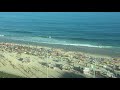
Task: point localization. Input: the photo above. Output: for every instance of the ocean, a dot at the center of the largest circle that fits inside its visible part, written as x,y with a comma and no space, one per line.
90,32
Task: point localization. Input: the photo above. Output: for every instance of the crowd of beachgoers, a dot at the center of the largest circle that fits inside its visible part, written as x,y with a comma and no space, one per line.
88,65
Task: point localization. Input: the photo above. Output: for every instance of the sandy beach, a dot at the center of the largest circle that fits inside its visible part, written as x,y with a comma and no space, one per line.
44,62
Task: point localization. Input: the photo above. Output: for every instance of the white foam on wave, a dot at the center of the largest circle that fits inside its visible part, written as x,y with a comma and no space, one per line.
54,41
84,45
1,35
89,45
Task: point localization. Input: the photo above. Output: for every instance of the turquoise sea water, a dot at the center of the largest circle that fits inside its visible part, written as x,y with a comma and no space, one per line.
91,30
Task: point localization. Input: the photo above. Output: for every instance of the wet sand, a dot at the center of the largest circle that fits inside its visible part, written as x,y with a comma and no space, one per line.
45,62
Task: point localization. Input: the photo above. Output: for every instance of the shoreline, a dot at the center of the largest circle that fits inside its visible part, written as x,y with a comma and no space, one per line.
65,50
36,61
109,52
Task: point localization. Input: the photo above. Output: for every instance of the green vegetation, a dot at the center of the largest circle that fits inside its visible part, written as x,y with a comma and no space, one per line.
6,75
